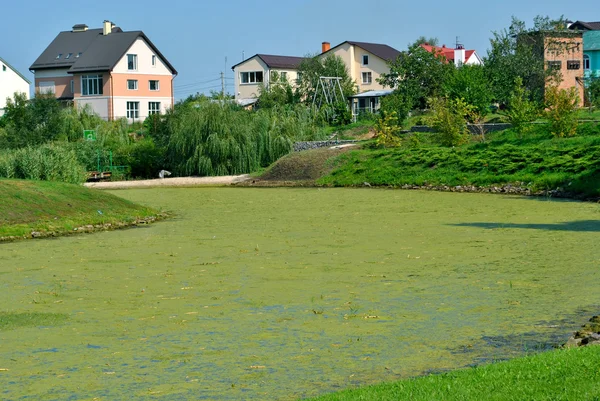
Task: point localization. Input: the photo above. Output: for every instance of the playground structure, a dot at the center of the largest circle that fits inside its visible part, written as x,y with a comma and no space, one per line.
103,170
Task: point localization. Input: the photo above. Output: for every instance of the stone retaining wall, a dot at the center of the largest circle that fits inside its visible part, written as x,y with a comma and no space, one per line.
300,146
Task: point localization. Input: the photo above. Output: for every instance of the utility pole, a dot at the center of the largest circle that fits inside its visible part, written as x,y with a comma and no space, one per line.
223,85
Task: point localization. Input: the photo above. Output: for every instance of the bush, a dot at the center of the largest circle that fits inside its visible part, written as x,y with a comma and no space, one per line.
561,110
449,119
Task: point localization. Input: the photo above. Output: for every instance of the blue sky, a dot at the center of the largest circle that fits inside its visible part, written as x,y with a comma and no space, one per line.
197,35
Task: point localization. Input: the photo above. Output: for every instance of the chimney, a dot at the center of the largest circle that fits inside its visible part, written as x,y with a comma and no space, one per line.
80,28
325,46
107,27
459,55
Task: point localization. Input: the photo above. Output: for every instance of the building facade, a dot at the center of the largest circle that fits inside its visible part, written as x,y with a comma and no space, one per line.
117,74
11,82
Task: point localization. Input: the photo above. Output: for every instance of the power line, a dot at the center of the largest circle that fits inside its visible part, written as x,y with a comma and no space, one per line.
197,83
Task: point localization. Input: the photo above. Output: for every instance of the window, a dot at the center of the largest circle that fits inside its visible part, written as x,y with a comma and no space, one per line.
367,77
59,56
91,85
365,59
69,56
3,67
72,84
554,65
573,64
132,84
133,109
154,85
47,87
153,108
283,77
299,78
153,60
586,62
78,55
251,77
132,62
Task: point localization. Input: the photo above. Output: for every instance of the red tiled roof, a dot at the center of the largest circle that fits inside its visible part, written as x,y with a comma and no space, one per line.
447,52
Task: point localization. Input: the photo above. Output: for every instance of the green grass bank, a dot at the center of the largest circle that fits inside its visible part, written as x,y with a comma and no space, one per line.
44,208
537,164
569,374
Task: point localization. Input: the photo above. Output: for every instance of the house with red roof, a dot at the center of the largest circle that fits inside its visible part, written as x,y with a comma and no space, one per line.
458,55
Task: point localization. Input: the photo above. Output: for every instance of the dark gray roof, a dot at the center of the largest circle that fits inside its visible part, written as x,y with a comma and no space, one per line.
272,61
585,26
98,52
384,52
281,61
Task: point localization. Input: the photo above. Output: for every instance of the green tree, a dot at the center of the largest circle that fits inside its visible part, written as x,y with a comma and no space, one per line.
517,52
449,119
418,75
422,40
470,84
561,110
312,68
277,92
592,90
521,111
387,130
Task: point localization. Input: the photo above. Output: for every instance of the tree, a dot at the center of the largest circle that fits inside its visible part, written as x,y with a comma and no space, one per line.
278,91
470,84
312,68
521,111
561,110
592,90
517,52
422,40
449,119
417,75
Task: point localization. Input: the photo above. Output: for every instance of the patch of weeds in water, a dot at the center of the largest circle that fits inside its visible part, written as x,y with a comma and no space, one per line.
14,320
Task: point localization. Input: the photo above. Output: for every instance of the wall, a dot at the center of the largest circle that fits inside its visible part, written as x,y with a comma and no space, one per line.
101,104
250,90
10,82
564,49
352,57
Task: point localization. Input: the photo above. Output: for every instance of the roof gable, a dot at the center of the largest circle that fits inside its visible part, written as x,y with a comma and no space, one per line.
384,52
2,61
274,61
91,50
448,53
585,26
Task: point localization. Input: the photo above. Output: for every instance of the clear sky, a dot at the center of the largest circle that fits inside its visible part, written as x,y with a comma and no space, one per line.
197,36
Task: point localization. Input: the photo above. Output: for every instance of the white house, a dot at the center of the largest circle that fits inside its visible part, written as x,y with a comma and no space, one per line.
11,81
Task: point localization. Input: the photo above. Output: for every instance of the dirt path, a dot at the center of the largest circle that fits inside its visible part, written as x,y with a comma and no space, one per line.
170,182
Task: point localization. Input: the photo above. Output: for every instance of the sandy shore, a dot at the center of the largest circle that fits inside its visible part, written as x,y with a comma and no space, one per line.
170,182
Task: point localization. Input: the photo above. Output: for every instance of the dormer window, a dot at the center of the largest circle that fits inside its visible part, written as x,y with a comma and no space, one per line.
59,56
78,55
69,56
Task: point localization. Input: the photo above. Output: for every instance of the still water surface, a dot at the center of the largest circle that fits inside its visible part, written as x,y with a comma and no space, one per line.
287,293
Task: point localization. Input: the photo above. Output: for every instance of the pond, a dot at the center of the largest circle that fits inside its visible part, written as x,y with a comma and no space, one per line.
287,293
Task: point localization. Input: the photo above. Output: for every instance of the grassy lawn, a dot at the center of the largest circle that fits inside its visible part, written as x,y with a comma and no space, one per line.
43,206
538,162
288,293
558,375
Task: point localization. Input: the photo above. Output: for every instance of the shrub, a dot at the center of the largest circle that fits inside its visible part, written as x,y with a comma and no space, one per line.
521,111
386,131
449,119
561,110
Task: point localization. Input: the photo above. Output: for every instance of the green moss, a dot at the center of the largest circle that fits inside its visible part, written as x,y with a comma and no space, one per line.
289,293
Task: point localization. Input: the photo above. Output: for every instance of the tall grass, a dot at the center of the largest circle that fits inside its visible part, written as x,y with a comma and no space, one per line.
48,162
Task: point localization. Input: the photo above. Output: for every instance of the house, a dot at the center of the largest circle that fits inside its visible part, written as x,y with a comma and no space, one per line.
11,81
561,51
591,46
262,69
365,62
120,74
459,55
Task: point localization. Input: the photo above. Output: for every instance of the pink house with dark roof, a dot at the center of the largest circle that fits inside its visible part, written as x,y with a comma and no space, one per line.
119,74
